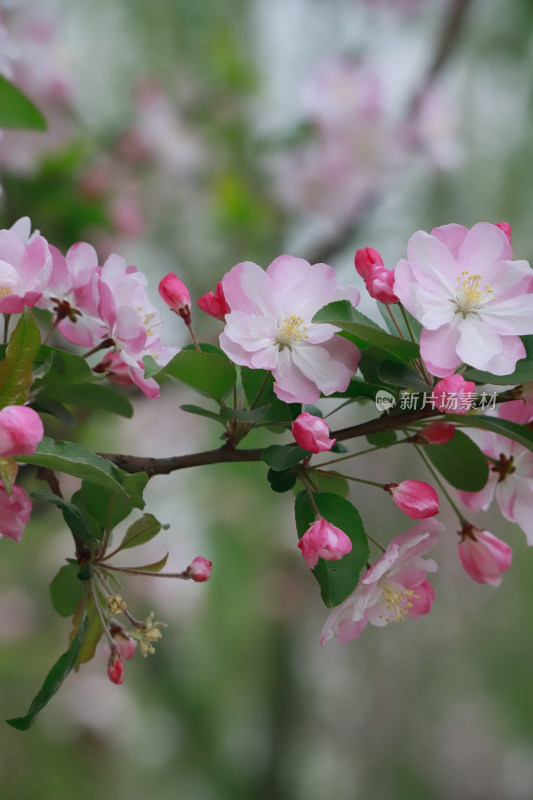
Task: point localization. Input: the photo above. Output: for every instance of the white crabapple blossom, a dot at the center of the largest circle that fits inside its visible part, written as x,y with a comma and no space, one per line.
473,300
270,327
393,588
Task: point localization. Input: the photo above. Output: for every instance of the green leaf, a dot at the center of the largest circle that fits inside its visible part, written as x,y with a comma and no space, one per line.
280,457
92,637
255,381
58,367
107,506
8,473
281,480
66,590
337,579
77,523
202,412
157,566
16,375
519,433
209,373
17,110
53,681
249,415
151,367
400,375
88,396
460,462
55,409
141,531
342,314
73,459
332,483
382,438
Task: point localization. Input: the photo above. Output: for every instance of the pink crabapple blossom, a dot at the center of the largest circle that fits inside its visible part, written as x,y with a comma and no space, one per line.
483,555
473,300
312,433
324,540
378,279
214,303
200,569
21,430
510,470
454,395
125,644
15,512
70,295
417,499
270,327
393,588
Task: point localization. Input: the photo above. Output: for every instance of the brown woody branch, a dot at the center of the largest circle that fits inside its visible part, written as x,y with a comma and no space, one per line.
226,454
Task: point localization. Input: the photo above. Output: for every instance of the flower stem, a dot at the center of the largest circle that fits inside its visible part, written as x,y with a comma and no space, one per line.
260,392
393,318
348,478
439,483
354,455
7,317
193,337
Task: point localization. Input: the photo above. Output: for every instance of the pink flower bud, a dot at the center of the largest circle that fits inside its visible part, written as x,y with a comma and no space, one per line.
115,669
176,295
21,430
15,512
323,540
436,433
483,555
365,261
454,395
214,303
506,228
417,499
378,279
312,433
200,569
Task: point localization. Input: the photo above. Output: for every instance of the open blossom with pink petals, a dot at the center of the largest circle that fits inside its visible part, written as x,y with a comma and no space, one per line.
454,395
24,271
214,303
483,555
473,300
395,587
324,540
130,321
15,512
270,327
70,294
21,430
417,499
378,279
312,433
510,471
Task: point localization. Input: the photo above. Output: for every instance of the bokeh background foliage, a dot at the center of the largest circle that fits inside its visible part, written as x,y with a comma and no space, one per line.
240,701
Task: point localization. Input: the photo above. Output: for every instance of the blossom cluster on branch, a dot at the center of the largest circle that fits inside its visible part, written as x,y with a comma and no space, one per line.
457,328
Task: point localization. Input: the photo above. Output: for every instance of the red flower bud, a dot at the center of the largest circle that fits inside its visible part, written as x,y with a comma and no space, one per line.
176,295
214,303
200,569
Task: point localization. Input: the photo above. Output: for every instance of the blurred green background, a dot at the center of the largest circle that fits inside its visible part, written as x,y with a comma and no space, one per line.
169,123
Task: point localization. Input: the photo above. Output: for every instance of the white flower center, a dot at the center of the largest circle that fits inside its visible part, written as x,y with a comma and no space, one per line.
291,330
470,295
397,600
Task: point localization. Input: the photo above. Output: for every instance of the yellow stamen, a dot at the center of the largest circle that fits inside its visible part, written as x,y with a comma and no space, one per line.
397,600
470,295
291,330
5,291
